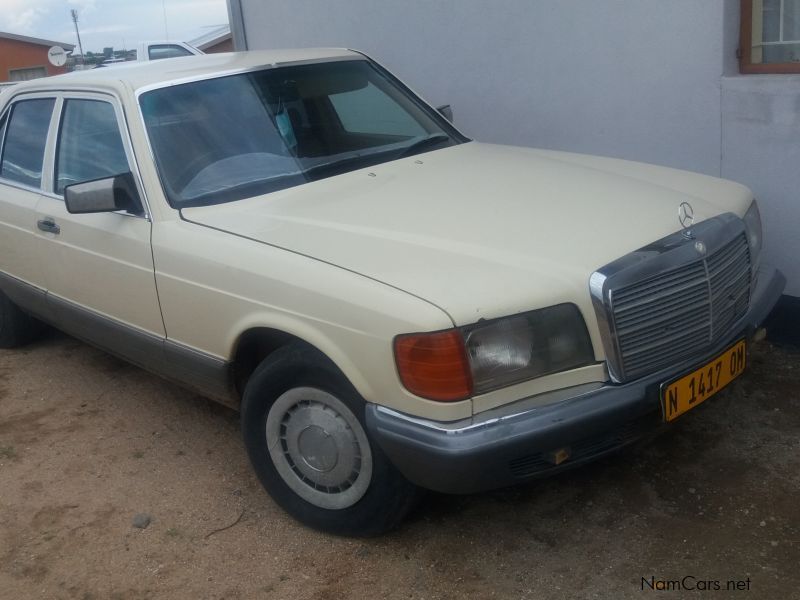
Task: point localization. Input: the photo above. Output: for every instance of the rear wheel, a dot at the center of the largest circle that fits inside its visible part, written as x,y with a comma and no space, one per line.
16,327
303,425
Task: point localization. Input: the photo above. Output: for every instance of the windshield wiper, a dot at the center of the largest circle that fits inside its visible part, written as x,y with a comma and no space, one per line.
370,158
342,165
426,142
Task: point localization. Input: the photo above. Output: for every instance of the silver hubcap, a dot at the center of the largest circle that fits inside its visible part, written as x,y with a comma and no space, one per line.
319,448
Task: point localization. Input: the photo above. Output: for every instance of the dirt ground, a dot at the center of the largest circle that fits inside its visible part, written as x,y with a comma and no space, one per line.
88,442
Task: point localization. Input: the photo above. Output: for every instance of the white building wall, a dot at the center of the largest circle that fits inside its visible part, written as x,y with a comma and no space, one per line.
635,79
761,147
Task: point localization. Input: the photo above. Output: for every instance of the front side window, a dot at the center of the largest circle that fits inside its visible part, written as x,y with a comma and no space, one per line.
770,40
89,144
238,136
25,139
167,51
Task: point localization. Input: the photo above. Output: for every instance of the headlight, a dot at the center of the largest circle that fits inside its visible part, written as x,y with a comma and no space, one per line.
454,364
506,351
752,224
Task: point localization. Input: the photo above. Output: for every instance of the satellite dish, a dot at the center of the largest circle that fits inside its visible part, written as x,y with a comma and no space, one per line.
57,56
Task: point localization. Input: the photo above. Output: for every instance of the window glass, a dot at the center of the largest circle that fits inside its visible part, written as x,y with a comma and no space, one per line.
89,145
771,20
370,110
167,51
23,151
775,31
239,136
791,20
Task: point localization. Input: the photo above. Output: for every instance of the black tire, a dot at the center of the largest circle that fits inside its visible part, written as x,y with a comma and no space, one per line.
388,496
17,328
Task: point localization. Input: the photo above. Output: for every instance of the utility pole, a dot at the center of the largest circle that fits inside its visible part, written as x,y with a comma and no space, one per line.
78,33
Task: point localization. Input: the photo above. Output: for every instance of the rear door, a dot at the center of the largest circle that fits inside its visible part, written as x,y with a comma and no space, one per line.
24,127
98,267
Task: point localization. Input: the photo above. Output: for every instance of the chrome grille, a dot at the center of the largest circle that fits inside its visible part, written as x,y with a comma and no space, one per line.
659,319
729,272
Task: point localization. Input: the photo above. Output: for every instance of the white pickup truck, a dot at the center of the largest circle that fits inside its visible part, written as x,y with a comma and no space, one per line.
154,50
158,49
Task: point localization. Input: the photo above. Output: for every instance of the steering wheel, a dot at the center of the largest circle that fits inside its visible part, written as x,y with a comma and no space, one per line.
190,169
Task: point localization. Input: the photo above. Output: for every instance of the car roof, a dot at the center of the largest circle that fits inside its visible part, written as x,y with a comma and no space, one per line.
137,75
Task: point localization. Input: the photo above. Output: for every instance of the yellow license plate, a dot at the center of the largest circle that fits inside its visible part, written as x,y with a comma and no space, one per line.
694,388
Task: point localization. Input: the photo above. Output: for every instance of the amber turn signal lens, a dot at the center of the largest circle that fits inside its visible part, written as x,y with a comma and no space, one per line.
434,365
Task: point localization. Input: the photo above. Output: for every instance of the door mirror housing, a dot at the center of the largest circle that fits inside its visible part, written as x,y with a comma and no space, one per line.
446,111
109,194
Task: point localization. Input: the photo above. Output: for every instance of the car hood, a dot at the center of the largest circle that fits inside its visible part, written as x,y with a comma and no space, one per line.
480,230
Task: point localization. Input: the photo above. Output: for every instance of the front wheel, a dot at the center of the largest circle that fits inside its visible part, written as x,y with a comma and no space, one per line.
303,426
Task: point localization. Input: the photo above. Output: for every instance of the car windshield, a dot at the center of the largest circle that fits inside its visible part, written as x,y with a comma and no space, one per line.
233,137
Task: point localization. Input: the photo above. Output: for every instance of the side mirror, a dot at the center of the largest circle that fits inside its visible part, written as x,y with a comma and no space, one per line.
446,111
109,194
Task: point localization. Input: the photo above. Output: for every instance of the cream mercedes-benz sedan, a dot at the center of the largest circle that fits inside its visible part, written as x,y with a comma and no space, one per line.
392,306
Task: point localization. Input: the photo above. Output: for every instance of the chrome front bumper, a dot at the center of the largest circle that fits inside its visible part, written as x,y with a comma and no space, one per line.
500,448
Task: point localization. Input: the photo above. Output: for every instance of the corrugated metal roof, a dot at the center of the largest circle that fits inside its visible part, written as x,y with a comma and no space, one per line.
212,37
33,40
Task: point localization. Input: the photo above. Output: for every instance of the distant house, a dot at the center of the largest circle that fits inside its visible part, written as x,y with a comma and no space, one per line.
23,57
218,39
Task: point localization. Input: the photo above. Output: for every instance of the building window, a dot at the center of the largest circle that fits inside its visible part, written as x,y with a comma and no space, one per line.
26,74
770,36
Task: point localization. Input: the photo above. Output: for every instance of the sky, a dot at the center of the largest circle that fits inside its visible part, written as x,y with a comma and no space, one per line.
117,23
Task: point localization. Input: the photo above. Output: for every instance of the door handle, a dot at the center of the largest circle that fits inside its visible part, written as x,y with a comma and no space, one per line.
49,225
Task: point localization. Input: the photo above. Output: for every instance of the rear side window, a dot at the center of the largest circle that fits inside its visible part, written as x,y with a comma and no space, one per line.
3,121
23,150
89,144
